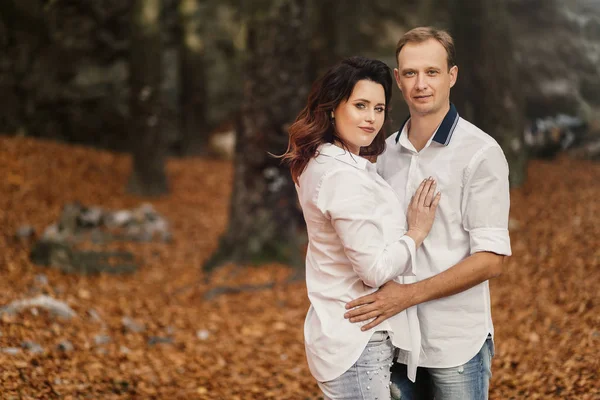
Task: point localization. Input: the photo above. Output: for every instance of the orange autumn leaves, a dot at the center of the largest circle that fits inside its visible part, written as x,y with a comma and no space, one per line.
250,345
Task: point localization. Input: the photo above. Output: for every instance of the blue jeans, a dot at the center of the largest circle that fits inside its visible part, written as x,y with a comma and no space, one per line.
369,377
469,381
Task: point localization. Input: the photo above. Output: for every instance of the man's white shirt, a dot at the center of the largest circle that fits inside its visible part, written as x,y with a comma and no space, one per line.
356,226
472,174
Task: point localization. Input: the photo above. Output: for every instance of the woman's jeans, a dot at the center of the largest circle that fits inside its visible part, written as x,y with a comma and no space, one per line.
369,377
469,381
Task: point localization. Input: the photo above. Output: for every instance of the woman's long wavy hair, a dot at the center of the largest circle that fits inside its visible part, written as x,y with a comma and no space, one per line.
314,125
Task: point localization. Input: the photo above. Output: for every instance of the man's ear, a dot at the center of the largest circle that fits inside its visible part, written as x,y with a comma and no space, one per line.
397,77
453,75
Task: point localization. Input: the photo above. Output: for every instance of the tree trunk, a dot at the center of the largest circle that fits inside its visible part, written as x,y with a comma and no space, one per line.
264,220
323,38
26,15
487,92
425,13
193,80
349,18
148,146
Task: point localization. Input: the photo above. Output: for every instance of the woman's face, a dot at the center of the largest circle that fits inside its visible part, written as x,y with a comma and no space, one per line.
360,118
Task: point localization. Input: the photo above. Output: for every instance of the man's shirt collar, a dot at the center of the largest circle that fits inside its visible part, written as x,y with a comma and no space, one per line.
444,132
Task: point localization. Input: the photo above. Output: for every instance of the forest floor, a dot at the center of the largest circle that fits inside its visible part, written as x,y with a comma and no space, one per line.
546,305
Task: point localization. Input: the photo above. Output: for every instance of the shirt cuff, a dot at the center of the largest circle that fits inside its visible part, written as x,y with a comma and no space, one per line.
411,265
495,240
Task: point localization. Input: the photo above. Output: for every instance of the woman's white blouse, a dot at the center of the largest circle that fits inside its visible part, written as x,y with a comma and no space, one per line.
356,228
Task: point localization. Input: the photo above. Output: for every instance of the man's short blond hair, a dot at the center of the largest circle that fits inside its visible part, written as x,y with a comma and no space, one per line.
423,33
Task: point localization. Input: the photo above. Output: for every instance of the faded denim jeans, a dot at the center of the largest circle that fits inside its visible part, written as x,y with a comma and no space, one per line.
469,381
369,377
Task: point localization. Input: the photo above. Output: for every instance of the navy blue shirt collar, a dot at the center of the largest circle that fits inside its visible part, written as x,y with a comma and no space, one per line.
444,131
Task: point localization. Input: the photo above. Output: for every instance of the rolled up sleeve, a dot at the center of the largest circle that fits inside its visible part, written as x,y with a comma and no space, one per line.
486,202
346,198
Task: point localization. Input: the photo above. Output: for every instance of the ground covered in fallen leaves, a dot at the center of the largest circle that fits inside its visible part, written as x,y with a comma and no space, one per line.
250,345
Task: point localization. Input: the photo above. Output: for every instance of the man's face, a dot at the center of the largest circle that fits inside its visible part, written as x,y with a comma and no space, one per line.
423,77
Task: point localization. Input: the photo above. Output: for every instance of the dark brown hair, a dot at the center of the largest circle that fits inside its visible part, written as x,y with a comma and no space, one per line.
421,34
313,126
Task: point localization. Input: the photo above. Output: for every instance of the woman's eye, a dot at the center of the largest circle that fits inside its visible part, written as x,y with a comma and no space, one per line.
360,105
379,109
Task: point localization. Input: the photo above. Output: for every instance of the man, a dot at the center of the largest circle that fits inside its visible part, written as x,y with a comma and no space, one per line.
469,238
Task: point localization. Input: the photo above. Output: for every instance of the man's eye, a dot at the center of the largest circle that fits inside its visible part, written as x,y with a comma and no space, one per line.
410,73
432,72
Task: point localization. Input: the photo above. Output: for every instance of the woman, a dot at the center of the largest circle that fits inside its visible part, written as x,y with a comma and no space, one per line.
356,227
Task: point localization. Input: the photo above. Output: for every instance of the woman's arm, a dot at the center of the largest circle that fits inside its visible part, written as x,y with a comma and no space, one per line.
347,198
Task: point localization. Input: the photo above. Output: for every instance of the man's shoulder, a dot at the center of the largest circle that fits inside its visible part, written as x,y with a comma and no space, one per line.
472,140
471,133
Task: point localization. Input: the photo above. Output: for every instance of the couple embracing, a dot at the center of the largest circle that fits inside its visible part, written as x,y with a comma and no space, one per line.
400,252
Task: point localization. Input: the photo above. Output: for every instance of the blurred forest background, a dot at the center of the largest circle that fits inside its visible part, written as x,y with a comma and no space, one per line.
134,141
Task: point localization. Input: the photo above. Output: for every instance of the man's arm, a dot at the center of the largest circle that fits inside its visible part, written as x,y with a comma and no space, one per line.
393,297
485,208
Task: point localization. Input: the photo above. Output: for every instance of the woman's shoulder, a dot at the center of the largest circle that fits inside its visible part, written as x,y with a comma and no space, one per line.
322,167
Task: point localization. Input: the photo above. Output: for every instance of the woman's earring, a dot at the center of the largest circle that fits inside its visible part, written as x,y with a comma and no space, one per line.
332,119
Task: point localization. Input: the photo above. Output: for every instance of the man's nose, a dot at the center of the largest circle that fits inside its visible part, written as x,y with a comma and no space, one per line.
421,81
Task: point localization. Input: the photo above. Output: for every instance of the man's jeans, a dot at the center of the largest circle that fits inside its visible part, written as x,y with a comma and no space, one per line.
465,382
369,377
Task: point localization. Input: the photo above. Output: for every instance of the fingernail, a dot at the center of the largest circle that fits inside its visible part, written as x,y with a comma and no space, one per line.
346,315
